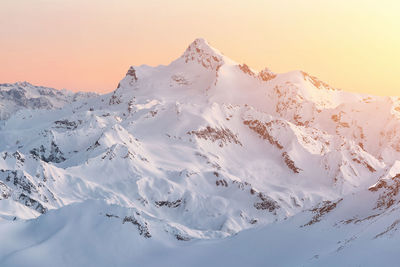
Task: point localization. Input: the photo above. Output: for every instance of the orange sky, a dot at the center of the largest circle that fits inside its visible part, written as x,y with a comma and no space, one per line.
89,44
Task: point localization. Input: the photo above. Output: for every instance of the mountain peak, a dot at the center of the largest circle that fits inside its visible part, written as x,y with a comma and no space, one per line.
23,84
201,52
200,44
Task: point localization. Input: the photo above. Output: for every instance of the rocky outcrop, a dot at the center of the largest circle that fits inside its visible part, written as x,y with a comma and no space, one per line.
266,203
132,72
321,210
223,136
266,75
52,154
200,52
245,69
317,82
263,130
389,190
169,204
142,227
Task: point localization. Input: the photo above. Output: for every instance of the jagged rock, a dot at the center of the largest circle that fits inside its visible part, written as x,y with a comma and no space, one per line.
200,52
266,203
32,203
316,82
322,210
169,204
66,124
54,155
262,129
389,189
246,69
132,72
225,136
142,227
5,191
266,75
290,163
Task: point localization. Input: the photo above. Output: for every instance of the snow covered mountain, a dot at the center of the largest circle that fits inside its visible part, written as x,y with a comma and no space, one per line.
180,156
23,95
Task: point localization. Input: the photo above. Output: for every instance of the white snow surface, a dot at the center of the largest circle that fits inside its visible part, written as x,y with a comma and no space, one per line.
203,162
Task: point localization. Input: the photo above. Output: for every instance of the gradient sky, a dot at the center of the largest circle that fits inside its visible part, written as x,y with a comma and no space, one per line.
89,44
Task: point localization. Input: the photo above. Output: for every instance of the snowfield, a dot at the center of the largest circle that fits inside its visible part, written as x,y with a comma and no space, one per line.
204,162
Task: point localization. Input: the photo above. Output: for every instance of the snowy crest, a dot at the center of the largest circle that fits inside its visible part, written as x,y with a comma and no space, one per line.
201,52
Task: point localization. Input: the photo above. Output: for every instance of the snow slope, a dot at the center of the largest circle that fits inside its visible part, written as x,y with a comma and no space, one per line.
180,156
96,234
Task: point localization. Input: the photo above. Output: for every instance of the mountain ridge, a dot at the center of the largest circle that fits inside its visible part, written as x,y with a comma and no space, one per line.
24,95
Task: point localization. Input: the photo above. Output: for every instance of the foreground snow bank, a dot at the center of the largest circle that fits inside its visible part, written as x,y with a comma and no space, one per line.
93,233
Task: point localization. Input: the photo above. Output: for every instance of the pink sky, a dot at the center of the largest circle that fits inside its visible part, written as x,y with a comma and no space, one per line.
89,45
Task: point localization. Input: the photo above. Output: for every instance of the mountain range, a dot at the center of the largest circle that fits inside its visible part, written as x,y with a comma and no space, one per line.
202,162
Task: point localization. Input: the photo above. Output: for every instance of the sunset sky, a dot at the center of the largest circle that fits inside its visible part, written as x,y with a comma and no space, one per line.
89,45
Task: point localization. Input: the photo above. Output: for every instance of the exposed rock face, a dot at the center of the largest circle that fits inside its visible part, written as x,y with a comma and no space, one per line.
5,192
389,190
132,72
200,52
266,203
246,70
316,82
169,204
224,136
32,203
266,75
51,154
142,227
323,209
290,163
263,130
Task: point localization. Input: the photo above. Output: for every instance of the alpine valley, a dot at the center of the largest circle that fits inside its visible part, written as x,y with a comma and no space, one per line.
203,162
